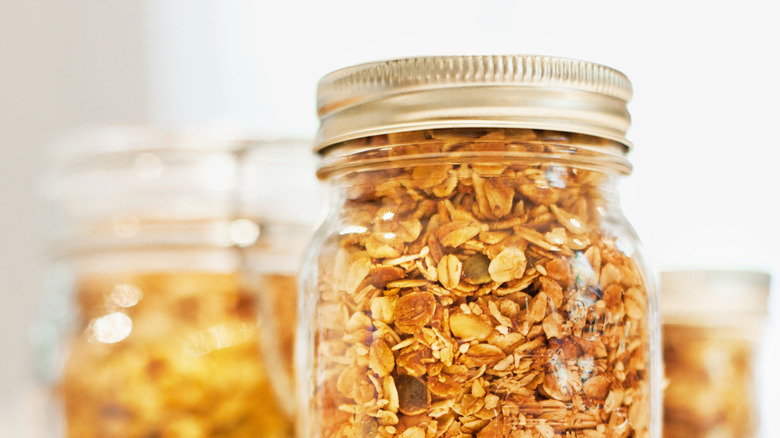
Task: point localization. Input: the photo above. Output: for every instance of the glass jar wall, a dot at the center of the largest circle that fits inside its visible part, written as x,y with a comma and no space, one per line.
161,323
473,280
713,327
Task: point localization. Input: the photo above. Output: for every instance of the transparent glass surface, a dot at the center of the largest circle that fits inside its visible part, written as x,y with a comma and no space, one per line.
171,304
477,283
714,323
167,354
711,382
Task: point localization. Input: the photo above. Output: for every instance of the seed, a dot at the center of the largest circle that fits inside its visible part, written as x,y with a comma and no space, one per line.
413,395
366,428
475,269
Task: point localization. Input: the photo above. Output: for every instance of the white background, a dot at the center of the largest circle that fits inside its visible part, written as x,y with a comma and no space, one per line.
704,192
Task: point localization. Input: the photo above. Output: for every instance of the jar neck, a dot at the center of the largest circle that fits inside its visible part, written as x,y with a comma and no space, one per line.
484,176
221,245
475,145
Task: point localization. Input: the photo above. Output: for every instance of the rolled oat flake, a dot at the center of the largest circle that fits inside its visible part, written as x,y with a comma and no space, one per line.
475,276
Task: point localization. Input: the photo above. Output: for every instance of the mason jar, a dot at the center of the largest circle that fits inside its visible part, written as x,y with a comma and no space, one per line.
713,332
154,322
475,275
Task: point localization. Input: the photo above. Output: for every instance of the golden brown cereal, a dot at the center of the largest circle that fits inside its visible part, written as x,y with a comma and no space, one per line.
480,298
449,271
194,370
704,397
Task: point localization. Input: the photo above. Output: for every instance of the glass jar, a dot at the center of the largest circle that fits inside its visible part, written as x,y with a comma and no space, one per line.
279,188
155,323
475,275
713,324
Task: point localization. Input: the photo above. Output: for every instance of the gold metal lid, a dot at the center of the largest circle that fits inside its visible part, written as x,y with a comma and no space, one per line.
502,91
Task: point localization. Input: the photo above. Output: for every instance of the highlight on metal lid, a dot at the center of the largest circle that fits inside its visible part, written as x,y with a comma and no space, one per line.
499,91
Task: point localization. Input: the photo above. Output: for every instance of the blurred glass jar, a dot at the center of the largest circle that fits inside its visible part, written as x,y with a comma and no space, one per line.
713,326
475,275
168,249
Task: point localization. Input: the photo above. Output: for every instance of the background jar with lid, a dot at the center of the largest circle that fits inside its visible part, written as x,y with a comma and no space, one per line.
154,322
713,330
475,275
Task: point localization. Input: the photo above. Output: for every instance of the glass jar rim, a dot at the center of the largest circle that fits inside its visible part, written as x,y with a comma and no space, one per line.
688,295
608,157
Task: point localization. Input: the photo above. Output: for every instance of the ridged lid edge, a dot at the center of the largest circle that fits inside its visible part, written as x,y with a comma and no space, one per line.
349,83
366,86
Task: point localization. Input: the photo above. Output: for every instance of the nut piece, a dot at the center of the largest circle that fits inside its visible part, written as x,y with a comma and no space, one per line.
508,265
596,387
382,274
414,311
538,307
383,308
381,359
469,327
552,325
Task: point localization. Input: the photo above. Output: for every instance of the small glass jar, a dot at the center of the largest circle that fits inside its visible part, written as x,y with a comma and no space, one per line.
155,321
713,325
475,275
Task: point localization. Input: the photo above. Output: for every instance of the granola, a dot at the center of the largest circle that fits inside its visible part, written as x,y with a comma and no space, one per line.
480,294
711,384
179,357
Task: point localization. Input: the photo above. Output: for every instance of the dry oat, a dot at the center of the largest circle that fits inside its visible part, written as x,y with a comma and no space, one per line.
508,265
493,299
449,271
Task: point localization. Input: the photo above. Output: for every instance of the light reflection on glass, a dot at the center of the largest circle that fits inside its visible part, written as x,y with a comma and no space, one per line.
583,271
555,176
147,166
126,226
353,229
220,336
125,295
111,328
243,232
